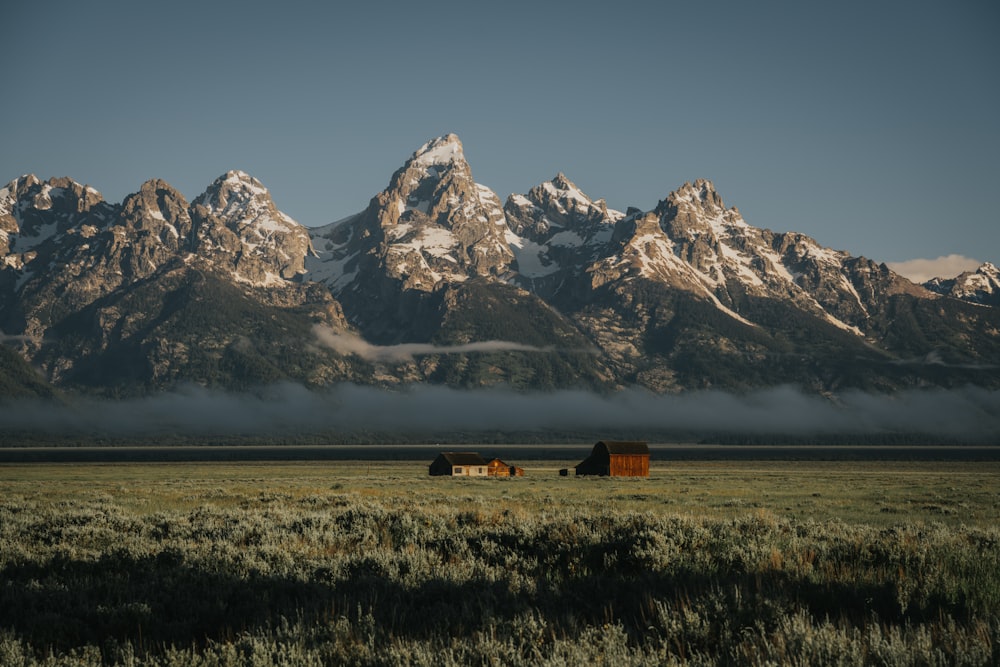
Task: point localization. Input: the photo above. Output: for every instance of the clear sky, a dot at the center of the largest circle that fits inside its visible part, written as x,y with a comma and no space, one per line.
872,126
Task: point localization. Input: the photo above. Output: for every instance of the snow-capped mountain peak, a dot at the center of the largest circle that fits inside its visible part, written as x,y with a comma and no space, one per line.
687,295
34,211
236,218
981,286
433,225
443,150
237,196
555,230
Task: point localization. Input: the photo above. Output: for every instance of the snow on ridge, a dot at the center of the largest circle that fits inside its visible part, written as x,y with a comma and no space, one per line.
490,202
330,267
522,202
244,181
7,199
441,151
266,223
729,311
435,241
528,255
26,242
398,231
842,325
566,238
778,265
851,290
579,202
270,280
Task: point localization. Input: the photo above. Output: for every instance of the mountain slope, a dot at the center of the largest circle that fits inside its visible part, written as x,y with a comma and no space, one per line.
981,286
438,281
155,292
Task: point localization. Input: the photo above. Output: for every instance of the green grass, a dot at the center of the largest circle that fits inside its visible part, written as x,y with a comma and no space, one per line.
377,563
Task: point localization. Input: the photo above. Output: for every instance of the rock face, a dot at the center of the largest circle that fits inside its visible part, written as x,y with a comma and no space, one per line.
432,226
555,231
237,225
981,286
549,289
154,291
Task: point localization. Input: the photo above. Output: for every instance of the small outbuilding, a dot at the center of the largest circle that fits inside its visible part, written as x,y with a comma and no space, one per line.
497,468
616,458
459,464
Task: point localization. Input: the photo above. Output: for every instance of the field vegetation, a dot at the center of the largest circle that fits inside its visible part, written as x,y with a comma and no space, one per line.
359,563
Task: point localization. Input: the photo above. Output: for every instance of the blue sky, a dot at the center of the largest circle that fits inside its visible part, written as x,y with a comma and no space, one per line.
871,126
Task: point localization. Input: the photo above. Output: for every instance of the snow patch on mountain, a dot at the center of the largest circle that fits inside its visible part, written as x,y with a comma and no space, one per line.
981,286
531,257
439,151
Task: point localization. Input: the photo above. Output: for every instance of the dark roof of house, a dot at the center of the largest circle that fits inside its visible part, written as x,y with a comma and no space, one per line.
624,446
463,458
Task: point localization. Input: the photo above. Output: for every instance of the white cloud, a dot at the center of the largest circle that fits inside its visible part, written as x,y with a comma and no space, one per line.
350,344
922,270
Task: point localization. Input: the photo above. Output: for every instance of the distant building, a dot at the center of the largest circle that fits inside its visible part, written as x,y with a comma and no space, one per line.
497,468
459,464
616,458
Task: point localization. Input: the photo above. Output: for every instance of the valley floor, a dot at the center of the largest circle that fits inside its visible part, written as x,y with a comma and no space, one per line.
375,562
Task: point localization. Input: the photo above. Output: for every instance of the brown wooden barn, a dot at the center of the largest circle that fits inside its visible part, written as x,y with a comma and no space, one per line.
497,468
459,464
617,458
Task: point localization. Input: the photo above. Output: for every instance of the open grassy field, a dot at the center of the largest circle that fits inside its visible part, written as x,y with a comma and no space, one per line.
354,562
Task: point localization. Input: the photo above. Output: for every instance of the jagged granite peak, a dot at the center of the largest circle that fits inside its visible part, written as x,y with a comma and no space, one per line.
640,248
438,223
686,295
240,197
433,225
443,150
159,211
125,297
709,250
32,211
558,203
41,224
555,230
237,223
981,286
734,258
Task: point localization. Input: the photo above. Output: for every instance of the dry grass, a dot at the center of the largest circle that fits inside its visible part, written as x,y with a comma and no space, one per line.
377,563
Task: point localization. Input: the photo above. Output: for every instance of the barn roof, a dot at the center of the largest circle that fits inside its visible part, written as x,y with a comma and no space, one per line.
624,446
463,458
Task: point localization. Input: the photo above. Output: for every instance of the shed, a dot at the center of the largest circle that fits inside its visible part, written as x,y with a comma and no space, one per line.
617,458
459,464
497,468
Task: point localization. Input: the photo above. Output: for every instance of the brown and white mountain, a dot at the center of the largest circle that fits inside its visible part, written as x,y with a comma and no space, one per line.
237,225
155,291
556,230
549,289
981,286
433,225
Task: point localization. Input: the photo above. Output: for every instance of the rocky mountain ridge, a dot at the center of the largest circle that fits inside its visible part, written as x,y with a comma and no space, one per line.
226,290
981,286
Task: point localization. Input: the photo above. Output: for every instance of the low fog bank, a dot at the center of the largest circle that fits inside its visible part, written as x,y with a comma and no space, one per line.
345,344
969,414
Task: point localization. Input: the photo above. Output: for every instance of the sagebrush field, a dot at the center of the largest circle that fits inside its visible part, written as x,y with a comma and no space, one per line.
359,563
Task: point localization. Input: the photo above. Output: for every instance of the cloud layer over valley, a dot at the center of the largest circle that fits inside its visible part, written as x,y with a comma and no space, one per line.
345,344
287,409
